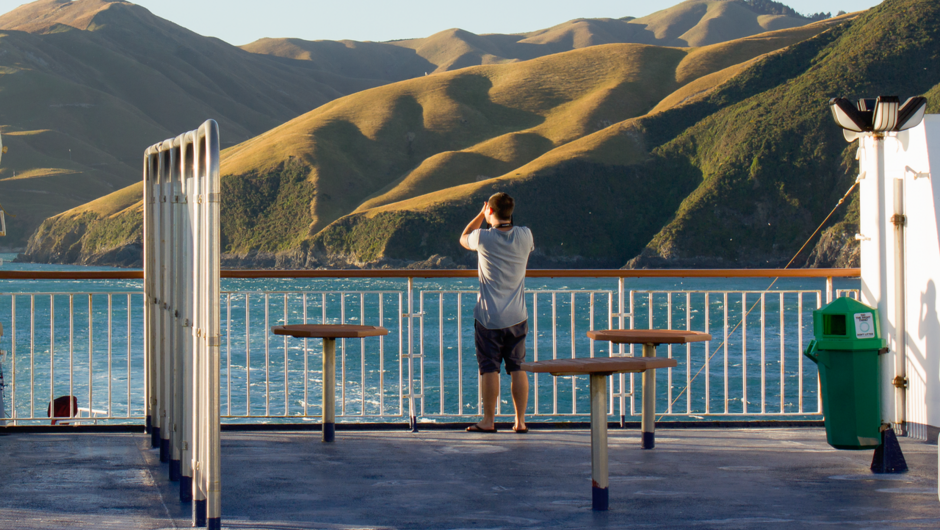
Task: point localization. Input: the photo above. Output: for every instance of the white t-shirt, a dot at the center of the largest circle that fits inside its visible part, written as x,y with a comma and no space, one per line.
502,263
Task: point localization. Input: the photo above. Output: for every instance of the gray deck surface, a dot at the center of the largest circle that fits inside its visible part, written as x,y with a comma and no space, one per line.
708,478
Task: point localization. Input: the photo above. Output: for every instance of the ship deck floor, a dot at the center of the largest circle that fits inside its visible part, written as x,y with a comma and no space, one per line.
694,478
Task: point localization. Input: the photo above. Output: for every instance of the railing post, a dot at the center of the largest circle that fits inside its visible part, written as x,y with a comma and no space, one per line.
829,291
411,387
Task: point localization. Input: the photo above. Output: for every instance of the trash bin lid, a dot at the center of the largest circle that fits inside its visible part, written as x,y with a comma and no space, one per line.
847,324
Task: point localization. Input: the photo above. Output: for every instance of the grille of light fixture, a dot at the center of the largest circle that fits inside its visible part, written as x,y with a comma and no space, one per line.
884,114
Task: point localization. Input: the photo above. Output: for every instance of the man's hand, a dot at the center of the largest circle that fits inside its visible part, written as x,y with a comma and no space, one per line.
477,222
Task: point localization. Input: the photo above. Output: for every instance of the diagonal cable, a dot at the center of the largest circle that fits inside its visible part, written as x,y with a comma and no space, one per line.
743,317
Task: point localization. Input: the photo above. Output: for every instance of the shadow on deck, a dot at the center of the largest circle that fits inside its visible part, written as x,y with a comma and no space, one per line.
701,478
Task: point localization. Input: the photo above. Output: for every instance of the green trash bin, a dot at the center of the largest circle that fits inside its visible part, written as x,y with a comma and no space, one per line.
848,342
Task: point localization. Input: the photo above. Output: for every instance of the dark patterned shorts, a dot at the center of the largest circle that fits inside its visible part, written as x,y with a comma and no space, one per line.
497,345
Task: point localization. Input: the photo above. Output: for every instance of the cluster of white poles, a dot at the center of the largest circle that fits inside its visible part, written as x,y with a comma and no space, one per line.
181,315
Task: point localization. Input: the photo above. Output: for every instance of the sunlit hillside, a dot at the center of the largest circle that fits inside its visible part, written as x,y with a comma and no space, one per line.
424,140
693,23
88,85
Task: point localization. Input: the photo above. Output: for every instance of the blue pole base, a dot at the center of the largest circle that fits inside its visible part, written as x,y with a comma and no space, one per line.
329,432
888,457
155,436
199,513
414,424
649,440
599,498
175,470
186,489
215,523
165,450
147,425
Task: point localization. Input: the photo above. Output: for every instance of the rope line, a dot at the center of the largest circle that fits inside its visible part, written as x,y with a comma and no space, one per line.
744,317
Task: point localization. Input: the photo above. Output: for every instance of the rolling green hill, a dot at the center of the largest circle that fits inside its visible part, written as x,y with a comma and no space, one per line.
337,185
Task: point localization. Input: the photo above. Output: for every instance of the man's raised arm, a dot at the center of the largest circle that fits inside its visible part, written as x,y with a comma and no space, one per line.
477,222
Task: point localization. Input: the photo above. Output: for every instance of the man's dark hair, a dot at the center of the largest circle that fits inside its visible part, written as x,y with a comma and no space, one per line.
502,205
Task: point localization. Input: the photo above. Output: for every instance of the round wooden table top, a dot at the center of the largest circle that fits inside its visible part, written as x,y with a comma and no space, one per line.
648,336
598,365
329,331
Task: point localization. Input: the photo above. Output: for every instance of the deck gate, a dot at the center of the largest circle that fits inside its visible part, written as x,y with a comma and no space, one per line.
181,313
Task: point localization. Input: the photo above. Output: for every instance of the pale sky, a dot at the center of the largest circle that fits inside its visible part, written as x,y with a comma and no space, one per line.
243,21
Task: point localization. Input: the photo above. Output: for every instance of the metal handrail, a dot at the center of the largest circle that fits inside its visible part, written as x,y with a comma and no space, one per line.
452,273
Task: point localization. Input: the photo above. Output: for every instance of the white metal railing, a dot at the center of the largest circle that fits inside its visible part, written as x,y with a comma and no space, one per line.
90,345
87,345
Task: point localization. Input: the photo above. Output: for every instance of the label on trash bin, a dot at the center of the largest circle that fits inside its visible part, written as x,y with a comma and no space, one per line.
864,326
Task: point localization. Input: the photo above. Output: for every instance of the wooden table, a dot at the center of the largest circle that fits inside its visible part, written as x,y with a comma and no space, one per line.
329,333
649,338
601,367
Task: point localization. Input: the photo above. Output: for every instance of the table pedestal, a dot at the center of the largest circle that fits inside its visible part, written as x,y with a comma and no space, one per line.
648,418
599,476
329,389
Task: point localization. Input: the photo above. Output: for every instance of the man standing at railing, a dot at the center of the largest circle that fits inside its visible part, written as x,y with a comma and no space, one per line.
501,322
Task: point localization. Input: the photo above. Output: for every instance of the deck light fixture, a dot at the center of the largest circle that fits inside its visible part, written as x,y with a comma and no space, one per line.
877,116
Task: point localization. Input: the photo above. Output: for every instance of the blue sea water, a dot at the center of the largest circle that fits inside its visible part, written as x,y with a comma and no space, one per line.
267,376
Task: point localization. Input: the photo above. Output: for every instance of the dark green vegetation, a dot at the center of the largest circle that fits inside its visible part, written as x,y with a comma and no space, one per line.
269,212
774,163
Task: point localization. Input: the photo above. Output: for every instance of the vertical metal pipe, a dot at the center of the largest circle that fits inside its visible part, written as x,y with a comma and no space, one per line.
148,273
342,379
763,360
460,356
129,342
420,349
286,371
187,455
13,356
109,355
411,386
248,354
708,391
688,367
535,347
211,294
782,359
440,342
900,361
72,351
198,390
267,358
306,353
744,350
725,341
599,476
574,380
554,352
381,357
329,389
799,341
648,425
52,356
